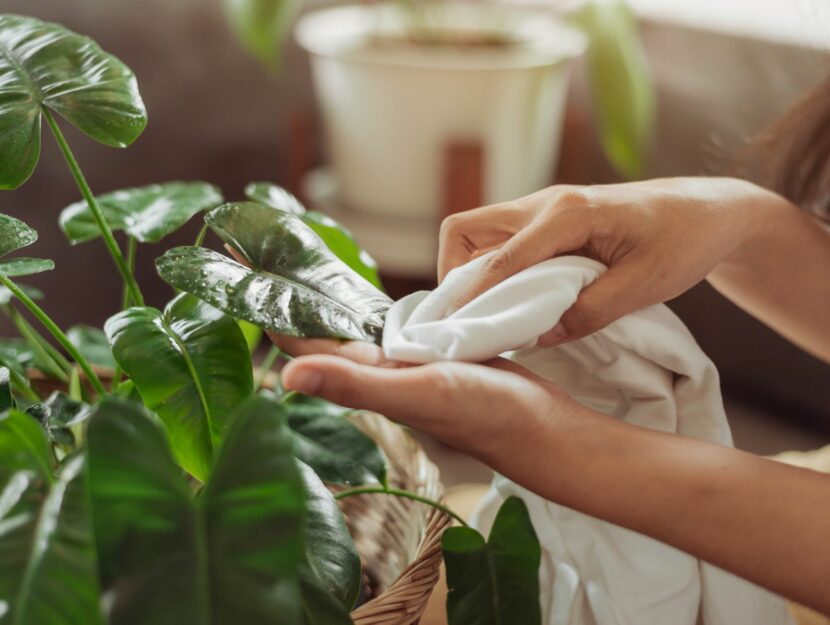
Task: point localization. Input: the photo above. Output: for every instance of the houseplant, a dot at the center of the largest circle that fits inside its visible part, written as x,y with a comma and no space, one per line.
162,486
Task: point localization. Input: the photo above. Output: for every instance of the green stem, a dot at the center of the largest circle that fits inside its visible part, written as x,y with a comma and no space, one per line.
103,226
265,366
55,331
126,300
21,384
50,357
200,238
397,492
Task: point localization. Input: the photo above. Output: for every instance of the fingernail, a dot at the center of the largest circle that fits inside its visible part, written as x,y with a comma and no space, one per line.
558,333
306,381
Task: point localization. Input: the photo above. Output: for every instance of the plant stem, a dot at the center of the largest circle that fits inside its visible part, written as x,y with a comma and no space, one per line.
55,331
200,238
265,366
126,300
397,492
92,203
51,357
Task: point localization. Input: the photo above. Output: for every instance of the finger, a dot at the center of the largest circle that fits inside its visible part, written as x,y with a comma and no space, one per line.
356,351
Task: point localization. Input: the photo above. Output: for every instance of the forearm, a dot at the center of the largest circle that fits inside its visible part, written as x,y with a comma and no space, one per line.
781,274
751,516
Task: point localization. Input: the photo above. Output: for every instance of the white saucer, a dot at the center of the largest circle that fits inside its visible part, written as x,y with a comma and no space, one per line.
401,246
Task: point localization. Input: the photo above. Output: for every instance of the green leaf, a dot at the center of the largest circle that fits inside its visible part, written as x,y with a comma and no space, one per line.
60,416
24,266
337,451
48,567
330,551
295,285
261,26
146,213
14,234
93,345
494,582
191,366
336,237
6,398
44,65
6,296
252,334
620,81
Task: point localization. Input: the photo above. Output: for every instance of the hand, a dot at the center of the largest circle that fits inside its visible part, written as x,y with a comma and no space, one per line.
658,238
481,410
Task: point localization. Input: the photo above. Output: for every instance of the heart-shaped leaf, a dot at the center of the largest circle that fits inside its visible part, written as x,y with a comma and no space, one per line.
494,582
13,267
147,213
44,65
93,345
14,234
336,237
48,569
294,285
191,365
337,451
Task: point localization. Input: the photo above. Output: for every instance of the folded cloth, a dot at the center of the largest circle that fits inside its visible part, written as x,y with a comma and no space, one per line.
645,369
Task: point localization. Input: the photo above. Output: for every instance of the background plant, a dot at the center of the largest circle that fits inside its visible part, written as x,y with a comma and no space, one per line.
160,484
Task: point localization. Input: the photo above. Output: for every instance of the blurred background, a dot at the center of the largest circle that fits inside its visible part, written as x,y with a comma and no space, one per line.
716,73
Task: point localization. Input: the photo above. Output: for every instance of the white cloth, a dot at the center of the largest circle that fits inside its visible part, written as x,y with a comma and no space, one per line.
645,369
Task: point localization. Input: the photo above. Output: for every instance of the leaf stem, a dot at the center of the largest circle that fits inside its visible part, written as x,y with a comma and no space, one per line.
51,357
126,300
265,366
397,492
200,238
92,203
55,331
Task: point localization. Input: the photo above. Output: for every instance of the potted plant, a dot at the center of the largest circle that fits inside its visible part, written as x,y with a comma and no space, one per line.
165,483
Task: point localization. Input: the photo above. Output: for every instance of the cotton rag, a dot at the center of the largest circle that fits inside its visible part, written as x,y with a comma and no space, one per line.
645,369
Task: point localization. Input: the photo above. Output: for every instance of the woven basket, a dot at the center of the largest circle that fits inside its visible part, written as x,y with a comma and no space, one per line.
399,540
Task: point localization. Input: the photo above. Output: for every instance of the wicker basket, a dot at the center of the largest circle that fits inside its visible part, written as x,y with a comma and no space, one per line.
399,540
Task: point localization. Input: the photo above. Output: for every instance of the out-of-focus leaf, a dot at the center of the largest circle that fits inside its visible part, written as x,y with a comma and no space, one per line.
147,213
60,415
620,81
294,285
14,234
336,237
252,334
6,295
44,65
6,398
261,26
13,267
191,365
93,345
494,582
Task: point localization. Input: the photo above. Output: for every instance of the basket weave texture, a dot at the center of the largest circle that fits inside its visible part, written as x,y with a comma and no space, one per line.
399,540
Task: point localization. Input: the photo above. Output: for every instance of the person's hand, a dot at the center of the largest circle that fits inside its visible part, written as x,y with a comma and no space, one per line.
658,238
482,410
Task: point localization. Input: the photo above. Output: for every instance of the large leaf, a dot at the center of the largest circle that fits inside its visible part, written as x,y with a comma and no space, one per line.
13,267
44,65
48,568
147,213
336,237
494,582
295,285
261,25
93,345
232,555
191,365
14,234
620,82
337,451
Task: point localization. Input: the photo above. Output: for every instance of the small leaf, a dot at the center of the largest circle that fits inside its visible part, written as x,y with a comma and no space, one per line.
191,365
44,65
147,213
14,234
337,451
261,26
296,285
24,266
93,345
494,582
336,237
59,414
330,550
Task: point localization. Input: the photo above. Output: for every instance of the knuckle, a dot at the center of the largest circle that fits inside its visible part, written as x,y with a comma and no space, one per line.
582,320
450,226
444,381
572,197
500,261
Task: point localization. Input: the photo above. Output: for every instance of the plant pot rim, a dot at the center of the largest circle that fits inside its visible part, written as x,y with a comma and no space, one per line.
539,38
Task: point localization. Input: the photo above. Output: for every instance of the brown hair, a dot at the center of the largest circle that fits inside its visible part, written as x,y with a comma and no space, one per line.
791,156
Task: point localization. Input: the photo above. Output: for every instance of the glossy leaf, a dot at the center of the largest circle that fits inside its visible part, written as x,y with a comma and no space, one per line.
330,550
261,25
252,334
494,582
191,365
620,81
6,296
147,213
93,345
325,440
13,267
59,415
295,284
14,234
44,65
336,237
48,567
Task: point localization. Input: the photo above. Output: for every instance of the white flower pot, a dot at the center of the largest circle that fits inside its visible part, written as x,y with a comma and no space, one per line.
389,111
